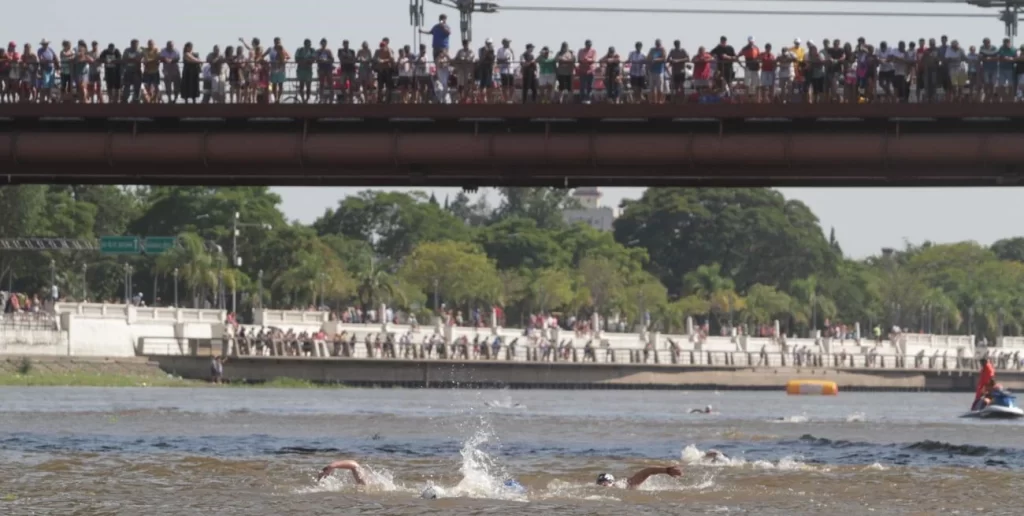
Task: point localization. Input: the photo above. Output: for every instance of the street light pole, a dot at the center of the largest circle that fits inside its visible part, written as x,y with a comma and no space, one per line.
260,276
234,260
436,313
85,283
175,287
53,280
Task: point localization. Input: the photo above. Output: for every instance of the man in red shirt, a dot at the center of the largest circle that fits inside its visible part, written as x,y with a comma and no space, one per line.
987,374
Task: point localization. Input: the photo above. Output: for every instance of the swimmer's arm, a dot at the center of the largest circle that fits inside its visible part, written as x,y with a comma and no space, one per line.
641,476
350,465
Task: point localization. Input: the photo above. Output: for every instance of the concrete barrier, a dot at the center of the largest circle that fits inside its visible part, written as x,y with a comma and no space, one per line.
531,374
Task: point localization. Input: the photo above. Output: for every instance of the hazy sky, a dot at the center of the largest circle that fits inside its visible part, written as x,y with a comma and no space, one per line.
865,219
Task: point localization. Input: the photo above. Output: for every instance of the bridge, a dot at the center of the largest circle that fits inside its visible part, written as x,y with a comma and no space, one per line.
479,145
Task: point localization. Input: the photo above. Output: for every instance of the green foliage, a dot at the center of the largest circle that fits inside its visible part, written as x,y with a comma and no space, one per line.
718,255
25,366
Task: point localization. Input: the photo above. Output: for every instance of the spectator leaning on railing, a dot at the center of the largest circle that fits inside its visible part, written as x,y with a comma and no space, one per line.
929,70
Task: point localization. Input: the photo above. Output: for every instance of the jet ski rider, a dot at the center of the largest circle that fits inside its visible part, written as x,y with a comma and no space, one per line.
987,376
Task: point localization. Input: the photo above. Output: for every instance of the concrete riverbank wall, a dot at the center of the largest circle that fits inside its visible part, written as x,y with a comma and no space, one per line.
476,374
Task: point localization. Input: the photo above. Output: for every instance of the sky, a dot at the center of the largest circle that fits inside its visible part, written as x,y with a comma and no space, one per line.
865,220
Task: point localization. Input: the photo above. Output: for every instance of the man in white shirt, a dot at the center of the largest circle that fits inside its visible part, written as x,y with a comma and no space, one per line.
886,69
900,68
170,58
504,58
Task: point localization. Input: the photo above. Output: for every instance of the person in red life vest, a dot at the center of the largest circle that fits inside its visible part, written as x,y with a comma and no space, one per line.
988,374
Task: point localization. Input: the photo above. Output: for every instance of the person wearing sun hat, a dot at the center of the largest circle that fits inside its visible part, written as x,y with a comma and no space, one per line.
47,70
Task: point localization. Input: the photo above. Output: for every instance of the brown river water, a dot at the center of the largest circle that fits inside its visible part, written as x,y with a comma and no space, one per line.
255,452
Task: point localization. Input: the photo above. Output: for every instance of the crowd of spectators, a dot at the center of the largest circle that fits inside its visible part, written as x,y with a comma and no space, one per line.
830,71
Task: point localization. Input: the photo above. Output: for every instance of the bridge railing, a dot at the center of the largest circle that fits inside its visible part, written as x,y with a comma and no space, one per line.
249,82
594,355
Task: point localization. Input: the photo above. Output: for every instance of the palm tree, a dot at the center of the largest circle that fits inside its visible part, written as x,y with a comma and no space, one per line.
196,267
707,283
808,305
376,284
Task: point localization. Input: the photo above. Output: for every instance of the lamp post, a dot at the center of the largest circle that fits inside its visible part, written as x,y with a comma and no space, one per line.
236,261
85,283
175,287
53,280
260,276
436,307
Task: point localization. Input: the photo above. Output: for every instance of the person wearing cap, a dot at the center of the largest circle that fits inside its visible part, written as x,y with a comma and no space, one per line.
48,61
465,65
505,56
528,68
612,64
725,55
441,33
485,70
587,64
638,478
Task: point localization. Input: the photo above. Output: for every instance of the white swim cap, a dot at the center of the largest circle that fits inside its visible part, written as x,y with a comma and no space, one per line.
605,478
708,408
429,493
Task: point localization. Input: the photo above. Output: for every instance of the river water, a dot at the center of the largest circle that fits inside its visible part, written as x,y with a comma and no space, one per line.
257,451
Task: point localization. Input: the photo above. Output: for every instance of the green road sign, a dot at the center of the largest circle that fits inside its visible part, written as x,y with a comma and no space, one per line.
119,245
158,245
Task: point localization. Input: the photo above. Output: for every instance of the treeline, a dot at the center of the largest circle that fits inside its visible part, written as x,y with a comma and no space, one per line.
727,256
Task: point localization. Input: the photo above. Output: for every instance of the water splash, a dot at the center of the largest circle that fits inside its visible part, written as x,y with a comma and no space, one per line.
791,419
856,417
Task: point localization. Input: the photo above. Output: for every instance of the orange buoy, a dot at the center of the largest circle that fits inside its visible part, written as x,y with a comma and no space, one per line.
812,387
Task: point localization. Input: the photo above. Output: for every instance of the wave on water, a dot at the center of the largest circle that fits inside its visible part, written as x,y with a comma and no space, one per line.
693,456
791,419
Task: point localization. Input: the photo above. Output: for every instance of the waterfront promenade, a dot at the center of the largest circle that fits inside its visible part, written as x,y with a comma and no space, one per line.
306,345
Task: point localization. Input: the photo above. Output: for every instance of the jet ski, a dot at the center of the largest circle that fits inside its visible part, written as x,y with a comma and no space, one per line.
1003,406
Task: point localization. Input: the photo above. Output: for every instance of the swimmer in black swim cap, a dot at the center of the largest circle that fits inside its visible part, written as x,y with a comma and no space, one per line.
350,465
638,478
705,410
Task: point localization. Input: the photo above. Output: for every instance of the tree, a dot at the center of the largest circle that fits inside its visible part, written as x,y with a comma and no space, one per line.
196,267
809,305
604,281
765,303
543,205
461,272
551,289
519,243
756,235
394,223
1009,249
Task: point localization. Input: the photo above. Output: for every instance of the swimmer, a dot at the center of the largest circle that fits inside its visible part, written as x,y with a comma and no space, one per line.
638,478
350,465
705,410
715,456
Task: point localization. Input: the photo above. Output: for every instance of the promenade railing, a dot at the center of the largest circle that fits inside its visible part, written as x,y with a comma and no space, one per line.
525,352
